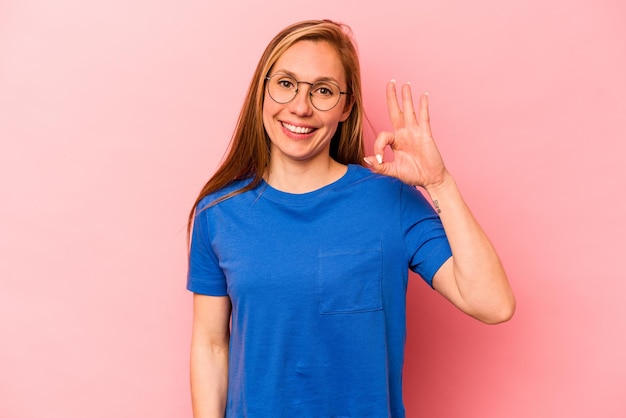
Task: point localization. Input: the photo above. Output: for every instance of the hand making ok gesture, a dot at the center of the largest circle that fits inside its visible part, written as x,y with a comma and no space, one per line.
416,159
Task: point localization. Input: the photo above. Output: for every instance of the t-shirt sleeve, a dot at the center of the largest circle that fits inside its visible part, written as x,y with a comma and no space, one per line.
205,275
424,237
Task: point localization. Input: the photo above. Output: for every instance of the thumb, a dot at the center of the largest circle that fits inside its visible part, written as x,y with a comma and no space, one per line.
377,165
375,162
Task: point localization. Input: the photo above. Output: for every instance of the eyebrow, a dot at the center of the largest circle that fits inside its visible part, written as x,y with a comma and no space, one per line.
317,80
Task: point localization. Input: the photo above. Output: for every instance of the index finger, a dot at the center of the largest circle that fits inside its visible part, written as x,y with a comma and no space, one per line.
395,114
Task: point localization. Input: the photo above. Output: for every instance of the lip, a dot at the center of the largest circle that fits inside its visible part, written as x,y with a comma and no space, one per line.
297,130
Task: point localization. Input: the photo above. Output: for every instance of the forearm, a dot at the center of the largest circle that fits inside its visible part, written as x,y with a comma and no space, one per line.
209,379
480,286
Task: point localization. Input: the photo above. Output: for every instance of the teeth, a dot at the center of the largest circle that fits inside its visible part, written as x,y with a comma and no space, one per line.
297,129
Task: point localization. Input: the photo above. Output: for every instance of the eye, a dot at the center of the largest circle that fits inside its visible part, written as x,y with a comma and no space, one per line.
286,83
324,90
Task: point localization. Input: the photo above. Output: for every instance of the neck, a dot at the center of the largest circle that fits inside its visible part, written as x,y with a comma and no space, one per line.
296,177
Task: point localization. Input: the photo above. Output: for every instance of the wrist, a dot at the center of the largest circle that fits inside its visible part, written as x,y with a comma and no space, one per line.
445,194
441,184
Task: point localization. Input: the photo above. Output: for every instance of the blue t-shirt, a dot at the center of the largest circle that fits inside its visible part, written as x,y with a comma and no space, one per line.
318,288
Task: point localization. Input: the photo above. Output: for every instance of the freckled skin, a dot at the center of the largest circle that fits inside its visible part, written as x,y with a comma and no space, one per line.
303,59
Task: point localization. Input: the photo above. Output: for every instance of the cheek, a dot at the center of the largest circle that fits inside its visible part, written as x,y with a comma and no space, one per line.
270,107
270,110
335,119
267,114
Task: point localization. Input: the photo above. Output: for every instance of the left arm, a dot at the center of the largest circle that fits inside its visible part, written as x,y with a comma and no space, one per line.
473,279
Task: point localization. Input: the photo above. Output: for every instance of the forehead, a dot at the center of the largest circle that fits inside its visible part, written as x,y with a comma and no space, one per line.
310,61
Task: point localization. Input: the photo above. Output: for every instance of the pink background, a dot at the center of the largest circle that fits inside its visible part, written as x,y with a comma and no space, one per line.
114,113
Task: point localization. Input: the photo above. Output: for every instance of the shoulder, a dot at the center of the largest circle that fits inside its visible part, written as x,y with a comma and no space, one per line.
215,198
360,174
375,183
386,190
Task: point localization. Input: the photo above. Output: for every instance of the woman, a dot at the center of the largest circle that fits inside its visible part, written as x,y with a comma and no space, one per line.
299,255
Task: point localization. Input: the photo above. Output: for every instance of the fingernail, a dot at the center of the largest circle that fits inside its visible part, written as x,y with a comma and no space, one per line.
408,82
368,162
393,80
379,158
426,93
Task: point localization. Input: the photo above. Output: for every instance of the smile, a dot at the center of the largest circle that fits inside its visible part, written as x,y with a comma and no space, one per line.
297,129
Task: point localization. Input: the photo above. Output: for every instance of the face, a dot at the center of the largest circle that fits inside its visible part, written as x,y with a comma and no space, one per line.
297,130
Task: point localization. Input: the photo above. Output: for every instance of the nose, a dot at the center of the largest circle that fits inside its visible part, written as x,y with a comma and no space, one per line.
301,104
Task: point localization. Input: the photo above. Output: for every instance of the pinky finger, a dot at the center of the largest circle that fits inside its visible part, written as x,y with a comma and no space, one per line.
424,115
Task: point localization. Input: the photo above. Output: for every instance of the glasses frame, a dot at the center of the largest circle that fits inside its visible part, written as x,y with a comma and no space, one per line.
297,82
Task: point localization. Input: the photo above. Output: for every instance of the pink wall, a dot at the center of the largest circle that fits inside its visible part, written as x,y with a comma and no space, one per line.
113,114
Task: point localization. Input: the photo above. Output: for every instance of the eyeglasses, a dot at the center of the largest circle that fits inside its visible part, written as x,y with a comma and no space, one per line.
324,94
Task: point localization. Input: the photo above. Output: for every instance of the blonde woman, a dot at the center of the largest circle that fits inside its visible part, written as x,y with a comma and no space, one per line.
301,245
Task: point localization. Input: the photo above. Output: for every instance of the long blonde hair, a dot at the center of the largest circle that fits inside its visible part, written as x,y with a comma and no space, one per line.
248,154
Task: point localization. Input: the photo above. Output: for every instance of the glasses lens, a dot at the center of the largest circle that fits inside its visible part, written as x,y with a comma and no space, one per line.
325,95
282,88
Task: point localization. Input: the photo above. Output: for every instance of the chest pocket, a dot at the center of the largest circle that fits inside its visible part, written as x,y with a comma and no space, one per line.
350,281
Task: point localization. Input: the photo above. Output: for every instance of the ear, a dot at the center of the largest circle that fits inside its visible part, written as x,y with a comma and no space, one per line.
347,109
